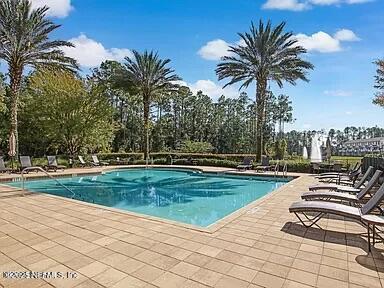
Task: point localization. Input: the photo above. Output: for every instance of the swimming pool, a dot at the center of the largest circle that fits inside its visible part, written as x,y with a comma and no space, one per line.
186,196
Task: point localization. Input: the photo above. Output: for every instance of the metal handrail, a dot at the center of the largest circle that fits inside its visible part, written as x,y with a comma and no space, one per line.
285,170
46,173
276,169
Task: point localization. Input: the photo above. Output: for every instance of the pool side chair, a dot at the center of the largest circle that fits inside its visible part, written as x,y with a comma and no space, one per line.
265,165
322,208
82,161
355,169
247,164
52,164
350,178
25,162
95,161
342,196
355,188
4,169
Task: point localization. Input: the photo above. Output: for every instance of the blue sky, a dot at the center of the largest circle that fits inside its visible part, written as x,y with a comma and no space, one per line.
343,37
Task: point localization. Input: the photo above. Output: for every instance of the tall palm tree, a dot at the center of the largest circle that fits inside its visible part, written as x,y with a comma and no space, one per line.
24,43
150,77
265,54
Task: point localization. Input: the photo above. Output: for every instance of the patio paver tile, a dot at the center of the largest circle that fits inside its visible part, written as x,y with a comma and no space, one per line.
169,280
219,266
302,277
326,282
207,277
242,273
109,277
185,269
267,280
93,269
130,282
147,273
230,282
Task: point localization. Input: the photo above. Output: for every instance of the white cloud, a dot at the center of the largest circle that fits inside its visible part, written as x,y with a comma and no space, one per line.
90,53
214,50
348,112
358,1
293,5
300,5
211,89
320,42
325,2
338,93
306,126
324,43
57,8
346,35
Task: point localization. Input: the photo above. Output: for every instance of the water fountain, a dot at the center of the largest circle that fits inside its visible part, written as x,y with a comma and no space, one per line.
315,150
305,153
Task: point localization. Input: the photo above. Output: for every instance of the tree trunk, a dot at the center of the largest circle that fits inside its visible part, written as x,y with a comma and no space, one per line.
260,107
15,82
146,128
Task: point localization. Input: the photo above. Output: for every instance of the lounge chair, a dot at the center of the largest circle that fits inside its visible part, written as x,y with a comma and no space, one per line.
322,208
95,161
265,165
247,164
352,198
82,161
355,169
355,188
52,164
25,162
4,169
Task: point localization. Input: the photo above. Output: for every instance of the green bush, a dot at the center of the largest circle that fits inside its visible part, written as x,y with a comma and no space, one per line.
208,162
114,156
295,166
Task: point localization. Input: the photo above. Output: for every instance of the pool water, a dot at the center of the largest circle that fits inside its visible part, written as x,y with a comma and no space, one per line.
181,195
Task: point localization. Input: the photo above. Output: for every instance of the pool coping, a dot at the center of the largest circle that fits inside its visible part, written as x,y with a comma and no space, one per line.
209,229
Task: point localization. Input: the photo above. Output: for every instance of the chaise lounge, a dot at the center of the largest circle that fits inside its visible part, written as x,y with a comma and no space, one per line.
4,169
52,164
322,208
354,189
25,162
351,198
95,161
247,164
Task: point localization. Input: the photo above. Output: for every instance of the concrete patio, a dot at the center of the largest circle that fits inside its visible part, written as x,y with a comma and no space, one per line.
263,246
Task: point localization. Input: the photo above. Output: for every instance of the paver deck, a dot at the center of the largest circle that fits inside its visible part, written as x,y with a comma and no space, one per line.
262,247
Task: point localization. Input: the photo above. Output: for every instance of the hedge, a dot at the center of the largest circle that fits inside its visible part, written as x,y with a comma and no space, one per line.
203,159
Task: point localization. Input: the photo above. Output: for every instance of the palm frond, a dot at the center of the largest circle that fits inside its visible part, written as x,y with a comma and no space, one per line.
268,53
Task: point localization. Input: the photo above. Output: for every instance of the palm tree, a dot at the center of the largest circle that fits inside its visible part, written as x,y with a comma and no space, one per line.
150,77
24,43
264,54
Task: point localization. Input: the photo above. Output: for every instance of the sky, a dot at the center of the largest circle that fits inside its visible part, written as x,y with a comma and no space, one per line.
343,38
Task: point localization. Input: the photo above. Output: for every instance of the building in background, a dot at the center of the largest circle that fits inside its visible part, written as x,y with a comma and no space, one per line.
361,147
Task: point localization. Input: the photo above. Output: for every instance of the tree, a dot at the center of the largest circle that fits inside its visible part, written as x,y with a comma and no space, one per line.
24,42
69,114
151,77
283,112
196,147
379,83
266,54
